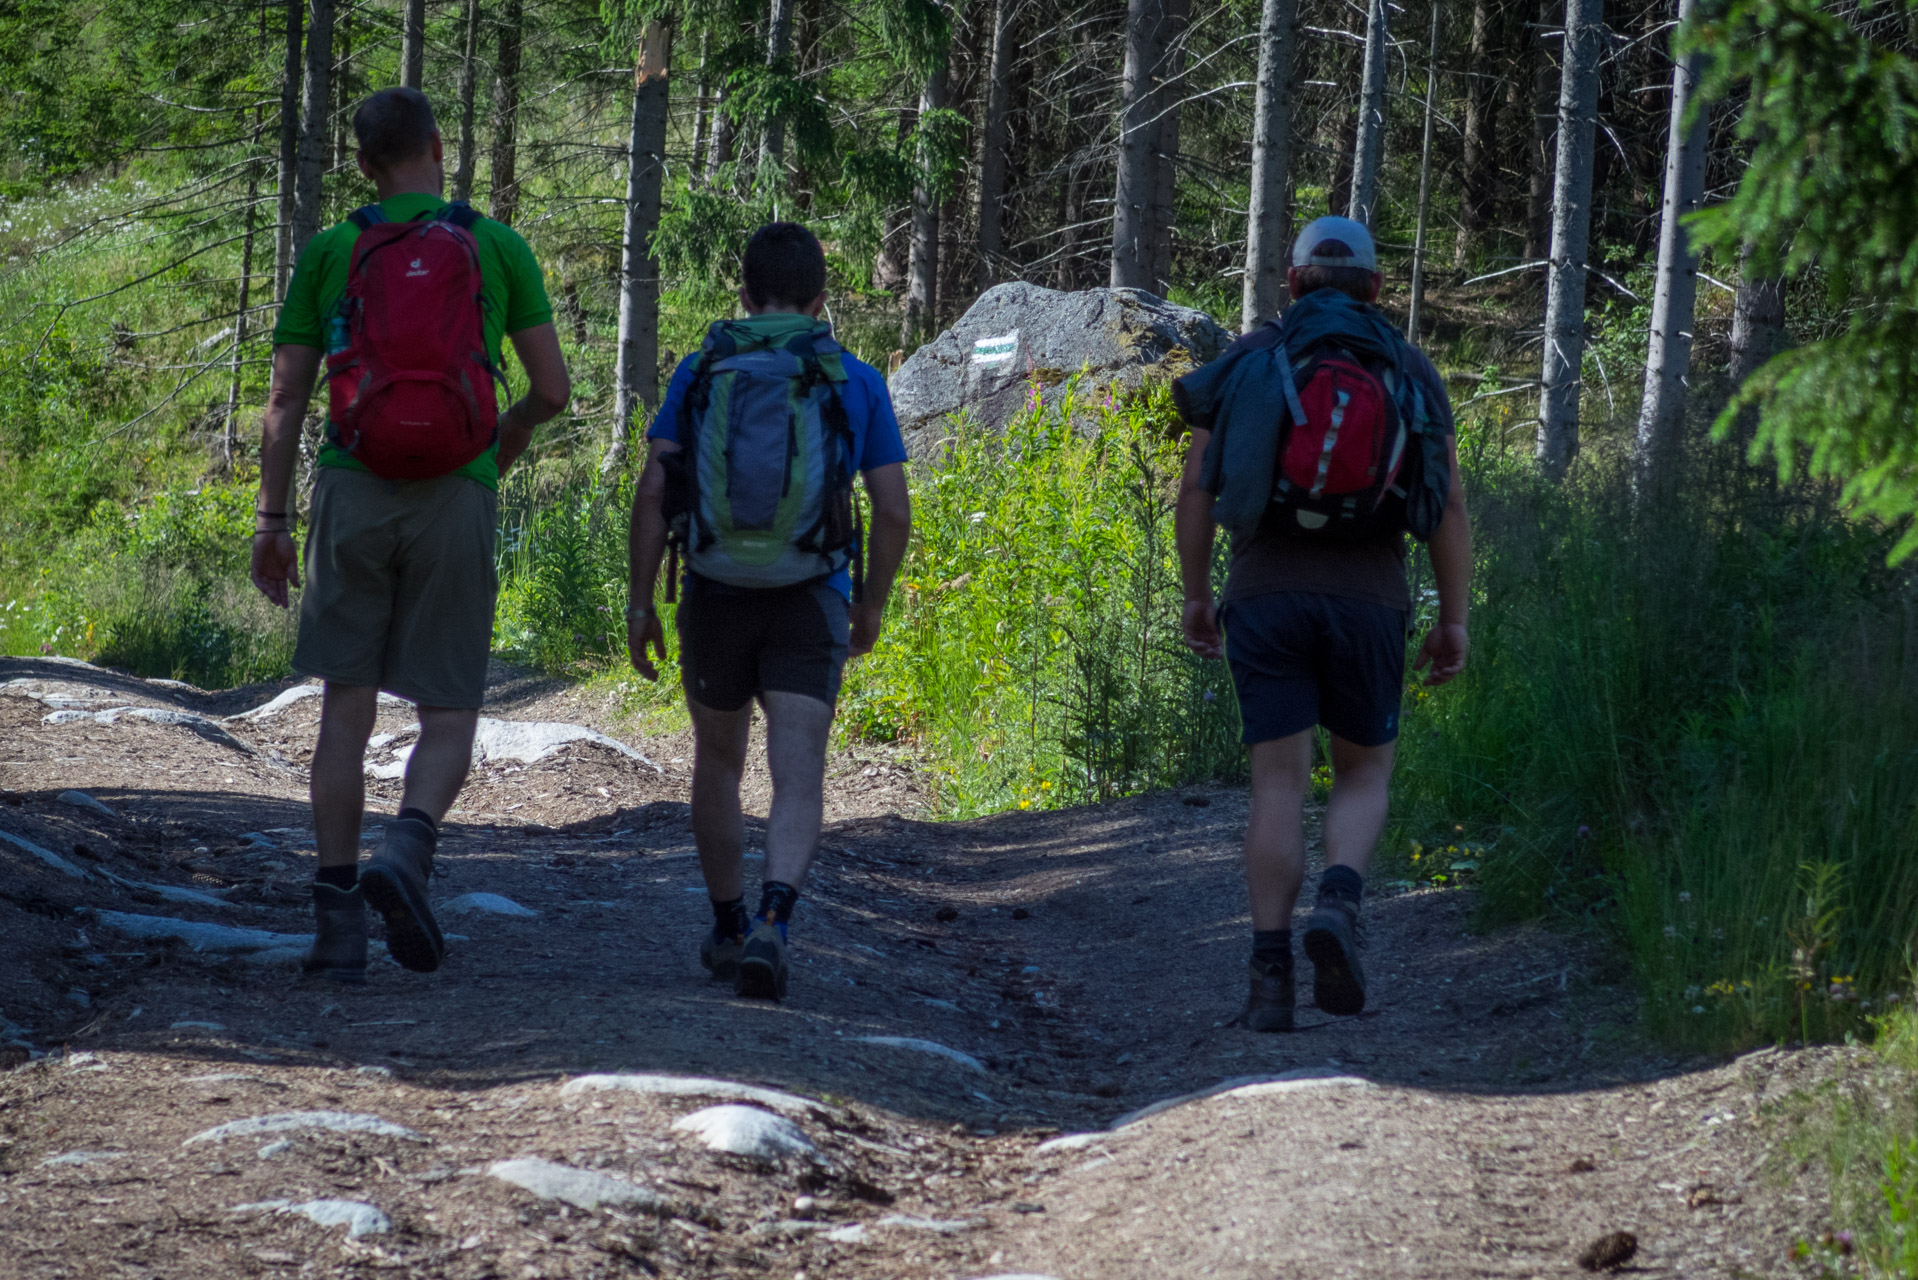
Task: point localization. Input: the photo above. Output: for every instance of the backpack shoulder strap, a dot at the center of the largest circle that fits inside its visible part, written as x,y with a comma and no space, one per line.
460,214
366,216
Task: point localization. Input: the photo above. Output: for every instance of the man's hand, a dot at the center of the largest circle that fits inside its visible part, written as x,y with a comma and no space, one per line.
276,563
865,618
641,633
1202,629
1444,651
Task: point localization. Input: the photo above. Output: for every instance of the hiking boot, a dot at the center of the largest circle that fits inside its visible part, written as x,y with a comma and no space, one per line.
762,965
395,884
339,943
1332,941
1269,1007
721,955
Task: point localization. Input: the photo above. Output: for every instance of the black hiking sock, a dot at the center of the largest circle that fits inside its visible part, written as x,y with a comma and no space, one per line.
339,877
776,902
1342,882
419,815
730,919
1272,946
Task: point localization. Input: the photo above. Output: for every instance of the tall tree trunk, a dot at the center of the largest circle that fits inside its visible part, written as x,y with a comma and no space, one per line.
1267,226
1758,320
636,379
720,151
506,113
1571,232
413,44
342,110
1476,175
469,88
1132,194
772,143
1668,354
316,95
230,434
992,151
1538,210
1370,139
1165,145
283,242
1425,187
922,267
702,108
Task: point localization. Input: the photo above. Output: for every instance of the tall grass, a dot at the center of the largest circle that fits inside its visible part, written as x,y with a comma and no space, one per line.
1694,723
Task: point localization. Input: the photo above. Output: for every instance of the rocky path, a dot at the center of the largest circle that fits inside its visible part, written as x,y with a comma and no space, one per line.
967,1080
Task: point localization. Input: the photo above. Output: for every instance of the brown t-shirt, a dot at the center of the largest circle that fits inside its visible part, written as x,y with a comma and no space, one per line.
1275,560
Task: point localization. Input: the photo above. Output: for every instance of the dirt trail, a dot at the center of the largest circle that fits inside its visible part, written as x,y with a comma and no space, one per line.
963,995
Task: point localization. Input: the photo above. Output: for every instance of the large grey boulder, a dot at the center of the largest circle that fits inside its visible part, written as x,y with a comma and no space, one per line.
1018,337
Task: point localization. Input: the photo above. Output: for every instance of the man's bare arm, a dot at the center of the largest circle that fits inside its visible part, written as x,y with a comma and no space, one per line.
887,539
275,560
645,547
1445,647
549,389
1193,533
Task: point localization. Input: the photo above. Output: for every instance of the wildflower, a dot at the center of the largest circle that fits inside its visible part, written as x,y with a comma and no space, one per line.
1025,804
1211,695
1684,897
1670,932
1584,833
1698,1008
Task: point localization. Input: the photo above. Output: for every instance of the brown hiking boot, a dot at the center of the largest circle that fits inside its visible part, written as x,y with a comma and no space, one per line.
339,944
395,884
1332,941
1269,1007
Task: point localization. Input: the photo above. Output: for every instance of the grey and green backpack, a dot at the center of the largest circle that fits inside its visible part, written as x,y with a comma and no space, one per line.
761,492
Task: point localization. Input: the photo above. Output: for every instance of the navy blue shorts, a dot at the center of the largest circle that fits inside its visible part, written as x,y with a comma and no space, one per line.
1300,658
736,643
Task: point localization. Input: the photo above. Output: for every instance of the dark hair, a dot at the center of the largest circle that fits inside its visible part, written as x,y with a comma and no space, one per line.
1355,282
784,266
394,126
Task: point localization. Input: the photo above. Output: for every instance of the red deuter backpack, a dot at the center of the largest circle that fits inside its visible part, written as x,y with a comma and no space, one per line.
410,390
1343,448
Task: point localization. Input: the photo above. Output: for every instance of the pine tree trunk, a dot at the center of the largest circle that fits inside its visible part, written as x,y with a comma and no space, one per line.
1668,354
316,95
636,379
1571,232
1477,177
229,440
506,114
992,151
342,108
772,143
1132,195
469,88
1758,321
413,44
721,146
1268,230
1538,212
922,266
1165,146
289,176
702,109
1425,187
1370,141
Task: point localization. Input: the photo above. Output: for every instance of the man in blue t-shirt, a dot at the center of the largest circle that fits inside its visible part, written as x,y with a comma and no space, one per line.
784,646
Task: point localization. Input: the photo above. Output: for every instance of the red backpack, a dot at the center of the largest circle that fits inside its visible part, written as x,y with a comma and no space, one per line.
410,387
1342,449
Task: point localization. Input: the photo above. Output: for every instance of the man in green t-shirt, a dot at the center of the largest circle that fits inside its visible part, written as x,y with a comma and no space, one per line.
400,584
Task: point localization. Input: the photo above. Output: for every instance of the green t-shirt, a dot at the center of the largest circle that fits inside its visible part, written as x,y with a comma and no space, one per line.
512,296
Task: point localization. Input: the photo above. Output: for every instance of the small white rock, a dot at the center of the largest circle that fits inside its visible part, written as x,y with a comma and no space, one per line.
82,1157
581,1188
358,1217
965,1060
335,1121
747,1131
272,1149
81,800
944,1226
694,1087
854,1233
491,904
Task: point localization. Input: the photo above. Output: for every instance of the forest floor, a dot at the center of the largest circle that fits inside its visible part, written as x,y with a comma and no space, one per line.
1026,976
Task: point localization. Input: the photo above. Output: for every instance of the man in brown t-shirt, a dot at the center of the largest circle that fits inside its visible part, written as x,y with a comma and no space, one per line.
1315,635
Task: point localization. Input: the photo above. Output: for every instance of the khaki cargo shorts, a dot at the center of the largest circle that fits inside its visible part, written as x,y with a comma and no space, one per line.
400,586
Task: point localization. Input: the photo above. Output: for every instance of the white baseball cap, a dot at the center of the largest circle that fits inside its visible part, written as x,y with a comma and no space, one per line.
1335,242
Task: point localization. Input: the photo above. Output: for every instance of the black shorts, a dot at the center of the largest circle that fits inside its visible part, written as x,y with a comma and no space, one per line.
736,643
1299,659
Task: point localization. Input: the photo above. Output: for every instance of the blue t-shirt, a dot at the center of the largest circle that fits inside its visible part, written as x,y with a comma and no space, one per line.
876,441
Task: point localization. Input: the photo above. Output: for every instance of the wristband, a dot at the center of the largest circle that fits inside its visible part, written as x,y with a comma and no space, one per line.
635,612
